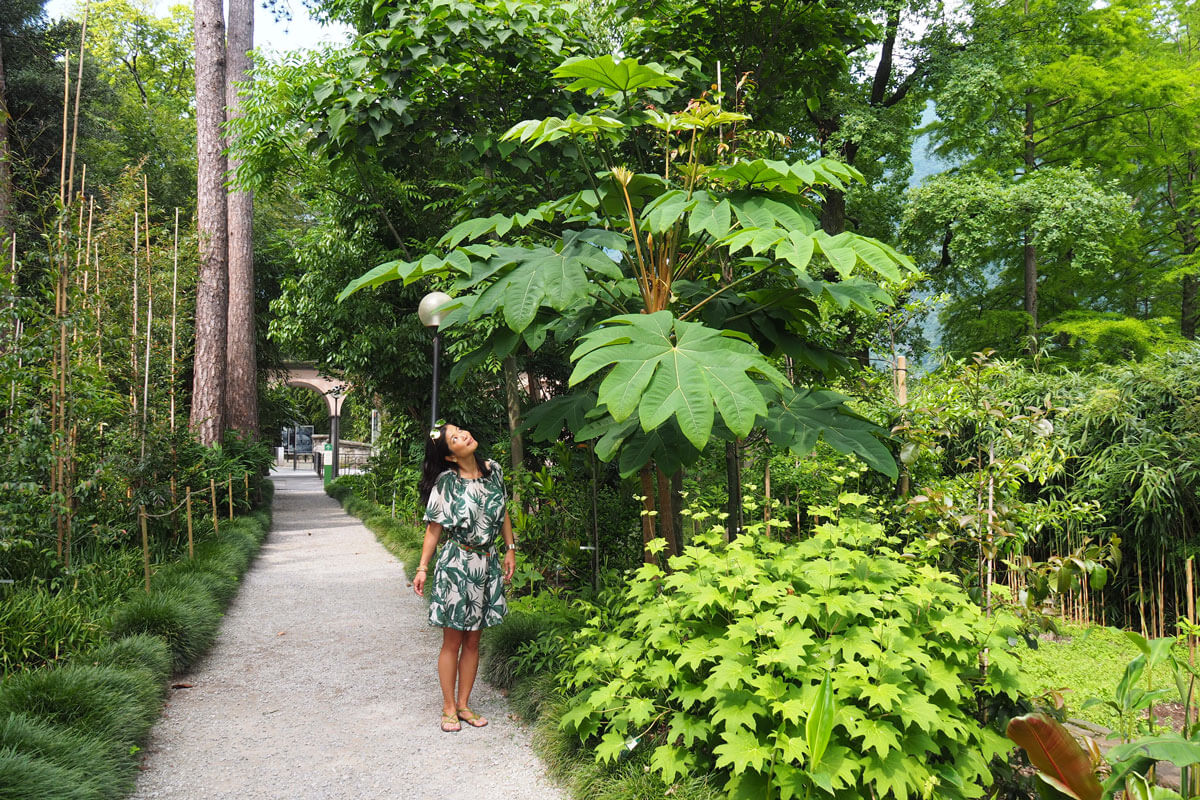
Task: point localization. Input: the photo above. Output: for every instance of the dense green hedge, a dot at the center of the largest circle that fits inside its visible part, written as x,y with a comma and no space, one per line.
72,732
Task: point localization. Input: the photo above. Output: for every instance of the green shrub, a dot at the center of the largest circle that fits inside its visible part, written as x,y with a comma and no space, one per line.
187,620
190,576
106,702
37,779
139,651
39,626
47,760
230,553
832,667
500,644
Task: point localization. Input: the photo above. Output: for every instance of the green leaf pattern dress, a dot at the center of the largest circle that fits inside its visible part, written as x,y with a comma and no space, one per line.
468,581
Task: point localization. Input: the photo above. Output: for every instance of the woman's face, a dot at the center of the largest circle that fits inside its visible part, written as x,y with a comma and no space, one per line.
460,443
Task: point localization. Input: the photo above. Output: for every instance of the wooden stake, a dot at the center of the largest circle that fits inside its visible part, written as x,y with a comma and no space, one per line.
133,337
246,482
191,548
174,310
78,87
212,490
229,488
1191,610
145,546
62,169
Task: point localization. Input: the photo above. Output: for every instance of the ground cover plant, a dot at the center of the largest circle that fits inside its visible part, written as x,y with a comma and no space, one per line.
73,728
831,667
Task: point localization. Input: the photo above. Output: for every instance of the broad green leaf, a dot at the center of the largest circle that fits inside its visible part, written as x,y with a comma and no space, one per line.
623,386
797,419
796,249
1169,747
710,215
611,745
662,213
758,174
562,275
522,295
875,258
672,762
612,77
837,250
696,370
742,750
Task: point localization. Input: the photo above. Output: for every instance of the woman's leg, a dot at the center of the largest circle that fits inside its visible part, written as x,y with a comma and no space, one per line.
448,661
468,665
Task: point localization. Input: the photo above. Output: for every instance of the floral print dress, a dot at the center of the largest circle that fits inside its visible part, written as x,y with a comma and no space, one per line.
468,581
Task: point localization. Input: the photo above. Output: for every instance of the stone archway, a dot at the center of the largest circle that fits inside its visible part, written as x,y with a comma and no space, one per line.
334,390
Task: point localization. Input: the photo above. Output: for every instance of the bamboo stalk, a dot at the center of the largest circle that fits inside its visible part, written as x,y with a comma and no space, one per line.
62,168
212,491
174,311
229,488
174,510
145,546
99,328
78,88
246,482
1162,594
146,369
1191,610
1141,594
133,338
191,547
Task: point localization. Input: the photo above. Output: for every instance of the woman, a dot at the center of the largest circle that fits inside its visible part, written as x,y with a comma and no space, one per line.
465,498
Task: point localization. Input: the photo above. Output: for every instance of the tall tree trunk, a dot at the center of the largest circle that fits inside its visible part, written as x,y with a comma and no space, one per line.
648,512
241,379
212,289
733,483
666,513
6,184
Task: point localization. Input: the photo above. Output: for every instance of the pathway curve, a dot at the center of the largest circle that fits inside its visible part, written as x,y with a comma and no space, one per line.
323,684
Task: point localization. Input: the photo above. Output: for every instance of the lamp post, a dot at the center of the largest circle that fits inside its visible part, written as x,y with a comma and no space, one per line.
431,314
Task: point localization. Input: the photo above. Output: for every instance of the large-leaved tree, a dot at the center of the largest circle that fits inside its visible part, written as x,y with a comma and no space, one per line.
678,287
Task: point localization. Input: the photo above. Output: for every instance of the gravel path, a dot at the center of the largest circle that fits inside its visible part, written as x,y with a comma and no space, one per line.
323,684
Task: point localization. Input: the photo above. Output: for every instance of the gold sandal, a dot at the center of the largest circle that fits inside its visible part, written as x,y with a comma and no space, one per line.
447,721
471,718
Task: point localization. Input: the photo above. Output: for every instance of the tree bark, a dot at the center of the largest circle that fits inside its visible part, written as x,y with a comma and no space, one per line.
666,513
6,185
647,480
212,289
733,482
241,379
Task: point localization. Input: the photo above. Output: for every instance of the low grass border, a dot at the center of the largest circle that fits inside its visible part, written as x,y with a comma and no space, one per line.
74,730
536,697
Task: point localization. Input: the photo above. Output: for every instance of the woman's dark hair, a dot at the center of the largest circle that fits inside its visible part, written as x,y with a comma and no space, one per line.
437,450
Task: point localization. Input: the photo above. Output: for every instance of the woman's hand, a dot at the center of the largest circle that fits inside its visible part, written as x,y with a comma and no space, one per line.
419,583
510,565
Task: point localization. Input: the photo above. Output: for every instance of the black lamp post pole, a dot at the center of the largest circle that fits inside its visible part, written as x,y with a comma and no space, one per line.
437,347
